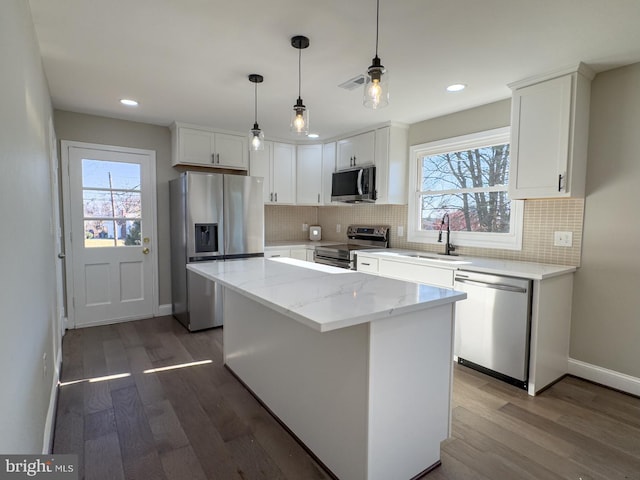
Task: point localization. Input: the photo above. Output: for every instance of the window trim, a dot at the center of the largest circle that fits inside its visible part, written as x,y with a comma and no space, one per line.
505,241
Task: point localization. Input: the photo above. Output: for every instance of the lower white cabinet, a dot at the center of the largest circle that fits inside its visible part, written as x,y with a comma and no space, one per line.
441,277
367,264
277,252
299,253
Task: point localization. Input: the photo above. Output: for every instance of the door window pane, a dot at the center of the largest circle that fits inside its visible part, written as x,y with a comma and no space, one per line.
112,205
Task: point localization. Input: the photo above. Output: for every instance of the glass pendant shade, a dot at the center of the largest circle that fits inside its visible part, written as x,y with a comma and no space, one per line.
376,86
300,118
256,138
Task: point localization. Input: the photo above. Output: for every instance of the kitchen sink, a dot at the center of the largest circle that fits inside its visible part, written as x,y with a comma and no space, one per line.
438,257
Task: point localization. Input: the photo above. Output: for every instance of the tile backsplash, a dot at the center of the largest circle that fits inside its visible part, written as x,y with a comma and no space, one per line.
541,219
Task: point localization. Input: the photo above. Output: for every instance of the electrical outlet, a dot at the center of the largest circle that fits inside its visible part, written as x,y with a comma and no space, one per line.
563,239
400,231
338,228
305,227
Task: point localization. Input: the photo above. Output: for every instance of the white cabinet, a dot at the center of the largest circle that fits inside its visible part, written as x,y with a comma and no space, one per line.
549,135
328,167
367,264
356,151
277,165
203,146
441,277
391,159
298,253
309,174
277,252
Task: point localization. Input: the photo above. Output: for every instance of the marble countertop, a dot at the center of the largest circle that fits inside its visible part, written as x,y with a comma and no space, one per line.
322,297
529,270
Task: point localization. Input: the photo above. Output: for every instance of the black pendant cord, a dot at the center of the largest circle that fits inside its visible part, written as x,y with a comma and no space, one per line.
377,22
299,73
256,102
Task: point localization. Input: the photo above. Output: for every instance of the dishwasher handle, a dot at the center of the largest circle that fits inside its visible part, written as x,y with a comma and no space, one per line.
496,286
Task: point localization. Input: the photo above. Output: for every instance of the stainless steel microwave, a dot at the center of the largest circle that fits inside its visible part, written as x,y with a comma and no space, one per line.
356,185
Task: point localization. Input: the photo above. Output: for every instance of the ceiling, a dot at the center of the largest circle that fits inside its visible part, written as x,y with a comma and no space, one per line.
188,60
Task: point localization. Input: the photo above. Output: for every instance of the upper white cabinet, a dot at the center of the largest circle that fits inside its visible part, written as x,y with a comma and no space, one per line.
356,151
277,165
309,175
391,158
328,167
202,146
549,135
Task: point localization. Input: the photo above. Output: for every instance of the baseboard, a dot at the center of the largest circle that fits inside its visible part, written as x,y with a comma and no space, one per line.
49,424
164,310
604,376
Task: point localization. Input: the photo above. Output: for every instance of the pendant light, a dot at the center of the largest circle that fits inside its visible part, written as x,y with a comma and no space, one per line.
256,136
376,85
300,116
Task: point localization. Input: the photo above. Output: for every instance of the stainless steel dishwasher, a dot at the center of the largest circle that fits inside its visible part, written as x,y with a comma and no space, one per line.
493,325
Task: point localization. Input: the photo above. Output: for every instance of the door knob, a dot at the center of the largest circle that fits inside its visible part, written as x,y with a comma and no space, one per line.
145,250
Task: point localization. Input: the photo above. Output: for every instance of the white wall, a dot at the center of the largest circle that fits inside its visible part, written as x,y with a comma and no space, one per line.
27,274
605,328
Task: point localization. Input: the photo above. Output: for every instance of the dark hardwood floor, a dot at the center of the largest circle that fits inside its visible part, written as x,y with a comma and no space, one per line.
198,422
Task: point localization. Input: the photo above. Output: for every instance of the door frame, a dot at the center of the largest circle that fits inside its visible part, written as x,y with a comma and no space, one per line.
65,146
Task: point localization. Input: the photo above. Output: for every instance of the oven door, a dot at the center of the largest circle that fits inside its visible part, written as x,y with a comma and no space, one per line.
333,261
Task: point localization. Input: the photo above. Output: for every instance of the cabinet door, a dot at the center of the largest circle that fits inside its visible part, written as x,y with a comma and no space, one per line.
260,166
328,167
195,146
540,139
367,264
364,149
284,173
345,154
299,253
231,151
441,277
309,175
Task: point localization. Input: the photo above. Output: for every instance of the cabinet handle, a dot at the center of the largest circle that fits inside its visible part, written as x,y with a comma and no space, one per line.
274,256
560,182
354,160
318,198
271,197
367,264
276,197
213,158
217,158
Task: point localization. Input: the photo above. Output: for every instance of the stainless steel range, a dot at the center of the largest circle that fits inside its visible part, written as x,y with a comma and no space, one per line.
360,237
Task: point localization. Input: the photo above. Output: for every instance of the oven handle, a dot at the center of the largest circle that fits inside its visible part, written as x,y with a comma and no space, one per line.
496,286
360,172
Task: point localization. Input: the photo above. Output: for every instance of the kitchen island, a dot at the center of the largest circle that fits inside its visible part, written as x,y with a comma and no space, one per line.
358,367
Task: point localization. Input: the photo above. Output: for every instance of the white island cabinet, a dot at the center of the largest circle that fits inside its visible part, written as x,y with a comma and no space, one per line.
357,366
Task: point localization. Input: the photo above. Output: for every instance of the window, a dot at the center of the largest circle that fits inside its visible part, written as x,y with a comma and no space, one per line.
111,203
467,178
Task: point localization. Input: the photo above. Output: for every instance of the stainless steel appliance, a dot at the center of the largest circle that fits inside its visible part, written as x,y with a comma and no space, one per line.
360,237
356,185
213,217
493,325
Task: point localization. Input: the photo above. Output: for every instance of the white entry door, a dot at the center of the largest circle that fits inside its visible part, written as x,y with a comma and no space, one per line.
110,212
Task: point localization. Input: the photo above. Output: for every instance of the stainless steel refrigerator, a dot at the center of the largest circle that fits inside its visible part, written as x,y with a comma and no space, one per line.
214,217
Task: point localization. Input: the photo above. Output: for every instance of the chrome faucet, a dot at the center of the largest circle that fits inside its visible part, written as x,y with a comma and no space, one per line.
448,247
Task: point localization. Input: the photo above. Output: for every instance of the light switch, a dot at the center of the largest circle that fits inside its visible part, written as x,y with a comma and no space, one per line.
563,239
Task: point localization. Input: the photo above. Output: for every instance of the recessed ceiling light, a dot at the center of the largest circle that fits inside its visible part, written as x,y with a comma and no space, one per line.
128,102
313,135
456,87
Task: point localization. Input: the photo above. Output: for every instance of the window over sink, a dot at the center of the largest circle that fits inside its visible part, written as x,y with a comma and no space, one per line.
467,178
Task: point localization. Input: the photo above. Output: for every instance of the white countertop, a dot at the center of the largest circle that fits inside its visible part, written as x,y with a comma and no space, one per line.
530,270
322,297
